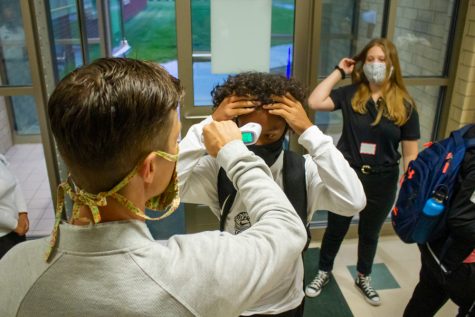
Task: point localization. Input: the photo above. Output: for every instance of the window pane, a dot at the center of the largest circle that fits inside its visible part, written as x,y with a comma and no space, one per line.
150,29
427,100
92,30
24,115
330,123
422,35
201,25
204,81
14,65
282,32
66,39
15,68
346,28
115,16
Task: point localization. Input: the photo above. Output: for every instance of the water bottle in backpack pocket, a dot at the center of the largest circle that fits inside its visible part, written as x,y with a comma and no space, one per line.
429,217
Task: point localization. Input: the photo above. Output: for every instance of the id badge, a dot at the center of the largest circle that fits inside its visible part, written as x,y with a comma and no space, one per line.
368,148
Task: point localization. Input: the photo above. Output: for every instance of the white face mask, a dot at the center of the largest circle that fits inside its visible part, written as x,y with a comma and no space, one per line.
376,72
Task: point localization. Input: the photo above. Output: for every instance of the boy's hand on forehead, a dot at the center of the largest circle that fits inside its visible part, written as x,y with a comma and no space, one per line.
234,106
218,134
292,111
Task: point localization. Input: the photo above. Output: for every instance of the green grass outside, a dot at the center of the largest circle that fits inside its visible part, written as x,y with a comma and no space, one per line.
152,32
201,25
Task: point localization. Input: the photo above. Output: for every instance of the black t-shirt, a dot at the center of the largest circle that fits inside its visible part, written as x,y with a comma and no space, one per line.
362,143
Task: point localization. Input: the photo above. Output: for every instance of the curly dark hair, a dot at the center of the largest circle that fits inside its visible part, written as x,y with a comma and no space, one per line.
260,85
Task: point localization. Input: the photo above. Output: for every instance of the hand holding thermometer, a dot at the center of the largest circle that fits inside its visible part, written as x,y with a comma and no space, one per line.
250,132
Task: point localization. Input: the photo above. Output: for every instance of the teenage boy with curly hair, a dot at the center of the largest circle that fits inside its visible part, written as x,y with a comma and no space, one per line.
274,102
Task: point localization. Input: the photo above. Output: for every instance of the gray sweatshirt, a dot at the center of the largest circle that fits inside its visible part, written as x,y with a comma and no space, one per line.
117,269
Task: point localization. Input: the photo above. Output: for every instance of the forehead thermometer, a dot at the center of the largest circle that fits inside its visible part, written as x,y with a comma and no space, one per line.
250,132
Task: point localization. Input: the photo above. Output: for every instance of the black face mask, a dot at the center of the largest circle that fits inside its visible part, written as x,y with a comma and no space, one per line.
269,152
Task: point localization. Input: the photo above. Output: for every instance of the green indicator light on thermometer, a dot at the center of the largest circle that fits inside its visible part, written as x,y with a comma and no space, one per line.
246,137
250,132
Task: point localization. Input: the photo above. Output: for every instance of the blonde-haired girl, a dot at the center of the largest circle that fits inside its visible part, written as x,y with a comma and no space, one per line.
378,115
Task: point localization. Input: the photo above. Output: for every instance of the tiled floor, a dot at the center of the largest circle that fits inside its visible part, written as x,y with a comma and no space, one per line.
27,162
403,263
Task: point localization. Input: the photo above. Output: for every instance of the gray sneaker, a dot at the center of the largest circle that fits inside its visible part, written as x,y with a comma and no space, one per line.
363,283
315,287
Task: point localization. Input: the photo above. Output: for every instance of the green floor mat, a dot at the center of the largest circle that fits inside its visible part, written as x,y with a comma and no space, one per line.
330,303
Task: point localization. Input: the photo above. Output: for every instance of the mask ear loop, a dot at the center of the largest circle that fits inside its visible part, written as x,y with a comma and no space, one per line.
156,203
140,213
168,209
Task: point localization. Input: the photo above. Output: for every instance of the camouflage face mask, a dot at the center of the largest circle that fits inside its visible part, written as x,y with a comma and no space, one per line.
168,200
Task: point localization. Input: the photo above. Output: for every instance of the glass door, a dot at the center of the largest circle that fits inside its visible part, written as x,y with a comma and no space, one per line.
218,23
215,41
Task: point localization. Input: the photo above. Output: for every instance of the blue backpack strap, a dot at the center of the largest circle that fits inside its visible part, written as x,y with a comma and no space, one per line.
459,134
461,142
464,129
470,143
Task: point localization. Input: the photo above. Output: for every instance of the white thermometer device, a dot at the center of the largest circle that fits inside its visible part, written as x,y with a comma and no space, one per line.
250,132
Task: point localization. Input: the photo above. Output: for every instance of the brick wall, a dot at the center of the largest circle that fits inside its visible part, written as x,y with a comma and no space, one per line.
5,130
462,105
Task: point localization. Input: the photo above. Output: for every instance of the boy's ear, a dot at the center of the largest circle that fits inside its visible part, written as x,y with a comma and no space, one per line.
148,168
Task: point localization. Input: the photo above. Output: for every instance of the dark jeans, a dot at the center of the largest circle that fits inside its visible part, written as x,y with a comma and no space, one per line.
380,190
9,241
434,289
296,312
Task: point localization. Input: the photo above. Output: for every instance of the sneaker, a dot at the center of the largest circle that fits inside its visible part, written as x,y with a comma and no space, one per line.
315,287
363,283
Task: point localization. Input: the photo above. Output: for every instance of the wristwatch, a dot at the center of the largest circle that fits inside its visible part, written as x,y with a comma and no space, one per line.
342,72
